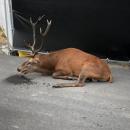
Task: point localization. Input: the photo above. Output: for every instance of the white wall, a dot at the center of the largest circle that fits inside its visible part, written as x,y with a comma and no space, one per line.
2,15
6,19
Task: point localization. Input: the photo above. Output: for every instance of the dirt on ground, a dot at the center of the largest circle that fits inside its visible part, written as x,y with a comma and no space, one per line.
18,79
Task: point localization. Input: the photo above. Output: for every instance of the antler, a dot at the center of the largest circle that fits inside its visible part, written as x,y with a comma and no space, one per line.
47,29
43,34
33,24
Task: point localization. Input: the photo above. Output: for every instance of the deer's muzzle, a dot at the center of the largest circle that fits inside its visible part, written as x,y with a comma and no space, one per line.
18,69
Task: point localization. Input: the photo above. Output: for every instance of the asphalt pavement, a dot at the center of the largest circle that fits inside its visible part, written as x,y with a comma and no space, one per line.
30,102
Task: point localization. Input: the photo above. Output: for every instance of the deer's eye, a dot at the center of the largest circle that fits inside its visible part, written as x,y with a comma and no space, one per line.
29,64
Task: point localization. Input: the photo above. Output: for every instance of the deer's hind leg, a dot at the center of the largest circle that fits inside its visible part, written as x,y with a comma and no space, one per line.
87,72
79,83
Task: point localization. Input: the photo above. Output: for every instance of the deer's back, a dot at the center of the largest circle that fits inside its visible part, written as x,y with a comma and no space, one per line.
74,60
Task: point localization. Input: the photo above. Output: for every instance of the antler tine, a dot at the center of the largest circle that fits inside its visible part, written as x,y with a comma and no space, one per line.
31,22
47,28
40,18
34,35
44,34
29,46
36,51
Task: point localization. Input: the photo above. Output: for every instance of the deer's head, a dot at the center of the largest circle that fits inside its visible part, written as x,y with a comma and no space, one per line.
29,65
33,59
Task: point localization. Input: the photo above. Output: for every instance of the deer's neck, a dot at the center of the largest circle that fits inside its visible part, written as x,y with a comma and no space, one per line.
48,61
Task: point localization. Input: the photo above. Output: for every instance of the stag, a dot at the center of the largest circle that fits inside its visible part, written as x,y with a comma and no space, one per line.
68,64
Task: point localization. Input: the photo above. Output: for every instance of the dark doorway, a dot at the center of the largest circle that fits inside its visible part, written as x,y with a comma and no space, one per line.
98,27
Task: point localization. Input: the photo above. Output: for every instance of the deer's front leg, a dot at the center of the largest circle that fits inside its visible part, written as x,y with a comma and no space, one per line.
63,75
43,71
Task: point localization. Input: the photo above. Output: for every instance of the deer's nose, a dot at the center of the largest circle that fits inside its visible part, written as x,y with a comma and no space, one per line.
18,69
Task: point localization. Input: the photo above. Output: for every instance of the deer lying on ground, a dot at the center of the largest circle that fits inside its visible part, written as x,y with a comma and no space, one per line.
70,63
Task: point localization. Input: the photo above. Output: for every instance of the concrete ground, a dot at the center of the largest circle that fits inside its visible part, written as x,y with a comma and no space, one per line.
30,103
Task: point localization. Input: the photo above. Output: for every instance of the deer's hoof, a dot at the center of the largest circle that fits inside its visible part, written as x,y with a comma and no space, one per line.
56,86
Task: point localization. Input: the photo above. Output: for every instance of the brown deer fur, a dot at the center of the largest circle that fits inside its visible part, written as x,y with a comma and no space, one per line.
68,64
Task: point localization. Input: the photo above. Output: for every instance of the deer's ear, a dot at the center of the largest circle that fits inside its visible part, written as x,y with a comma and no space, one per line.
29,56
36,60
